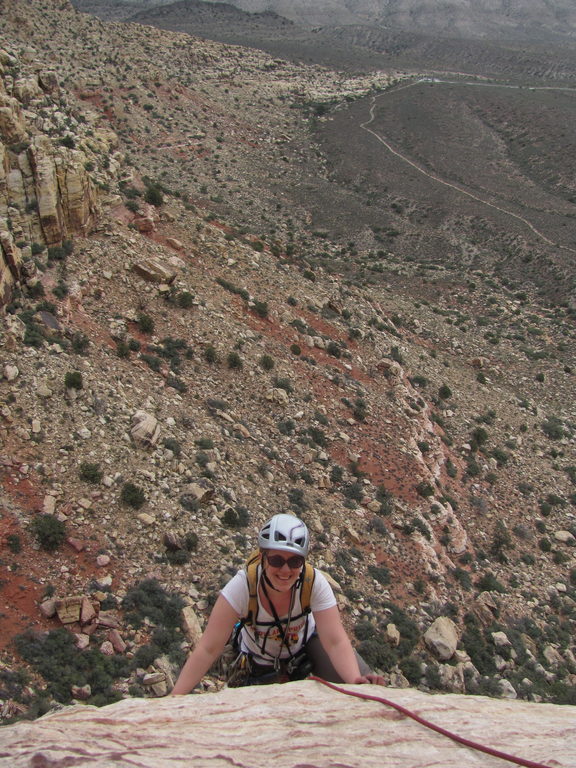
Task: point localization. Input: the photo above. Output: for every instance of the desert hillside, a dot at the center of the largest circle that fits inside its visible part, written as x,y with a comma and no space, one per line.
187,349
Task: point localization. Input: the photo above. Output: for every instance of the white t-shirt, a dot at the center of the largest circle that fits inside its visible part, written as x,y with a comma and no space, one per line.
264,640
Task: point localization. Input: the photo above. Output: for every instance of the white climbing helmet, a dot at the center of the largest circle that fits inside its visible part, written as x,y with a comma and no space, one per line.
286,533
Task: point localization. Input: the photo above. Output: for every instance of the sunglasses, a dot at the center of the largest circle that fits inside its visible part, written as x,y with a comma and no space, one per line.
293,562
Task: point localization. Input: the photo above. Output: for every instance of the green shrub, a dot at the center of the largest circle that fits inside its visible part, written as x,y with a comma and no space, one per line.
132,495
478,649
411,669
295,349
73,380
424,489
444,393
55,657
553,428
489,583
154,196
284,383
80,343
286,427
380,573
14,543
148,599
266,362
354,491
462,577
378,654
49,531
334,349
317,435
145,323
261,308
210,354
171,444
122,349
178,557
236,518
90,472
234,361
185,299
153,362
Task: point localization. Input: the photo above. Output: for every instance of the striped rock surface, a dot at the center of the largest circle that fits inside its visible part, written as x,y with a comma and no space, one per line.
296,725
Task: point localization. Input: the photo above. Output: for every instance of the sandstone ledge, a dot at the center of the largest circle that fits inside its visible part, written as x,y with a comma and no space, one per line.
297,725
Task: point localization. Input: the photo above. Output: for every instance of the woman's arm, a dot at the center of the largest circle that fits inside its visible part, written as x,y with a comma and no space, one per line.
209,648
337,644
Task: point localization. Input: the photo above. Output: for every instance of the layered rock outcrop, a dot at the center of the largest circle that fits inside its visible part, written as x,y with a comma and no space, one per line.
293,725
48,166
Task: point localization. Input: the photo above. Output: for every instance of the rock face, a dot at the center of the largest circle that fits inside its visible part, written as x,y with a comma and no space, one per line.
296,724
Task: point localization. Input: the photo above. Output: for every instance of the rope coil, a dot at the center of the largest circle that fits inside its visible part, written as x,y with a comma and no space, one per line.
454,736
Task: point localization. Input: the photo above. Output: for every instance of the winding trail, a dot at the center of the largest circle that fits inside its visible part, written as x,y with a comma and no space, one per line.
438,179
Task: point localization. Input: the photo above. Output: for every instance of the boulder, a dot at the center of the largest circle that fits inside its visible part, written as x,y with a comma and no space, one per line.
154,271
145,429
442,638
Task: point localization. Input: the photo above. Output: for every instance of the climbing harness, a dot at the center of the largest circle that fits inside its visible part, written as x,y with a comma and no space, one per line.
245,670
460,739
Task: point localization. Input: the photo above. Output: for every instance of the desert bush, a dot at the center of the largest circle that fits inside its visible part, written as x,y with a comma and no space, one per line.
379,573
48,531
132,495
545,544
55,657
489,583
266,362
171,444
90,472
444,393
149,600
80,343
261,308
210,354
145,323
234,361
185,299
334,349
553,428
236,518
73,380
14,543
286,427
283,382
122,349
424,489
154,196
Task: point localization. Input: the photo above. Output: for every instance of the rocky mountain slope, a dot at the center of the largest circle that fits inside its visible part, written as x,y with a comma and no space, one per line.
179,363
525,20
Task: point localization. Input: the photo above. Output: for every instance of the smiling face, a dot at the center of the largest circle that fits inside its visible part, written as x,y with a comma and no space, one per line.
281,577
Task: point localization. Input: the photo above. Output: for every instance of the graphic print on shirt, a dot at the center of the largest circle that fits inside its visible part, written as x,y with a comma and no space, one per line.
273,635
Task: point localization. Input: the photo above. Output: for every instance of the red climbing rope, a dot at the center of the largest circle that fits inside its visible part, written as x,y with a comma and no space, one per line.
439,729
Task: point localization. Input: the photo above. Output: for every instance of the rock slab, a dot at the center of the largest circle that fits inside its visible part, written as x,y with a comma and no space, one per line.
290,726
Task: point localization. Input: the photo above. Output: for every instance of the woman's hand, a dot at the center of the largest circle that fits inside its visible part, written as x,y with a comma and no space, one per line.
372,679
